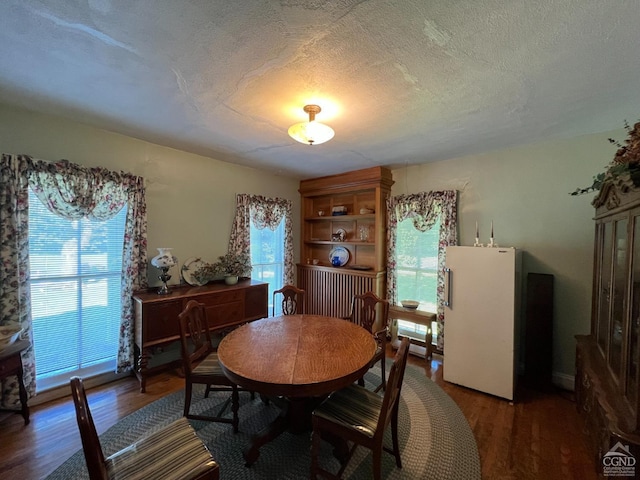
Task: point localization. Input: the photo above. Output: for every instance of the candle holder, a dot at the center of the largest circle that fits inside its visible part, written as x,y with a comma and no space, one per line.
477,242
491,243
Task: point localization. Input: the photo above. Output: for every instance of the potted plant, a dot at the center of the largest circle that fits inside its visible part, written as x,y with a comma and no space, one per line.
229,266
625,164
234,266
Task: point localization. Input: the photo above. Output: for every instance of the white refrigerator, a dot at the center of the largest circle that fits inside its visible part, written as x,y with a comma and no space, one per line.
481,318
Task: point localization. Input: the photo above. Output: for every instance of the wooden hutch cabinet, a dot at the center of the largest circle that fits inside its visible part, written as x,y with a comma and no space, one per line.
608,360
156,316
357,227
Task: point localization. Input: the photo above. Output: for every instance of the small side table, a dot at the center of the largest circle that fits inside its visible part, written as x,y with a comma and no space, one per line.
11,364
416,316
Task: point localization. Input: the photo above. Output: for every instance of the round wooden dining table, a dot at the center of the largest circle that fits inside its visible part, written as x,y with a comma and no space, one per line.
301,358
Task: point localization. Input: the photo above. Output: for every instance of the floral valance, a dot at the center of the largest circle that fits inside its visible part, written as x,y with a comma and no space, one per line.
74,191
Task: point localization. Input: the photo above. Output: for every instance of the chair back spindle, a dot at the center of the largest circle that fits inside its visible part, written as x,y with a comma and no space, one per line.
364,310
293,299
195,331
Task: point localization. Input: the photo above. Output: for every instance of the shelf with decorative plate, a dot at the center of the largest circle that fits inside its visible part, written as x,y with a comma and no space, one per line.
341,218
346,242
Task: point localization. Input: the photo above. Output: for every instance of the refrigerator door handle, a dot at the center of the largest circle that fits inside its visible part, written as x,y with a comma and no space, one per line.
447,287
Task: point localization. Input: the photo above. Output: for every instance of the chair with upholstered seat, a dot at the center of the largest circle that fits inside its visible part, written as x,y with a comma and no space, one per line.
355,414
292,300
364,311
173,452
201,366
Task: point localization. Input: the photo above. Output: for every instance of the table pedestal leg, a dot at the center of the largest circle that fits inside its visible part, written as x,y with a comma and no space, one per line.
279,425
294,417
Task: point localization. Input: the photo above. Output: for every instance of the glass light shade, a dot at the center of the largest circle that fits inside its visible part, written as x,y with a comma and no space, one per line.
311,133
164,259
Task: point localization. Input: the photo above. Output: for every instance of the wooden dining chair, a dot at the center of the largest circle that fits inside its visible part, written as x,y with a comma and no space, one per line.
364,310
201,366
173,452
292,300
355,414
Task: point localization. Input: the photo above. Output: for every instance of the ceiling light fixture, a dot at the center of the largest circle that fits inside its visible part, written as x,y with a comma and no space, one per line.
311,132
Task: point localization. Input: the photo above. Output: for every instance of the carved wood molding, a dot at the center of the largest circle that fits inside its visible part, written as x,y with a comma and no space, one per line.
613,188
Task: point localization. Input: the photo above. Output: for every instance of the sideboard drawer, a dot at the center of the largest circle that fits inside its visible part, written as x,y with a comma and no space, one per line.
255,301
219,298
161,321
224,315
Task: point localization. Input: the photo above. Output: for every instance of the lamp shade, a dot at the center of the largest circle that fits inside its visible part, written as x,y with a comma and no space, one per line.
311,132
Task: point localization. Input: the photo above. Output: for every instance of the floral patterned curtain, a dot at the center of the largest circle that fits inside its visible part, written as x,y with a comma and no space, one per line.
423,209
265,213
71,191
15,294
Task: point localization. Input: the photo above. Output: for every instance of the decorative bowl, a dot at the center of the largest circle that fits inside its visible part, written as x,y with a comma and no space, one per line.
410,304
8,335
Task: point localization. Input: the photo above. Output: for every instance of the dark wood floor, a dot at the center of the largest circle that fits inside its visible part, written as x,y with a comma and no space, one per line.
537,437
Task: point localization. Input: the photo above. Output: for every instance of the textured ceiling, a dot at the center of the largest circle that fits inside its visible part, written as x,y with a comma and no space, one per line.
401,82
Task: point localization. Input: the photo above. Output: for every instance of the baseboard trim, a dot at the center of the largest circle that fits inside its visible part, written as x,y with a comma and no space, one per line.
562,380
65,390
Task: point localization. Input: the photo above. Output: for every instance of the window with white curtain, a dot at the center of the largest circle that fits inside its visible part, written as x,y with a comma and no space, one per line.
417,272
267,258
75,293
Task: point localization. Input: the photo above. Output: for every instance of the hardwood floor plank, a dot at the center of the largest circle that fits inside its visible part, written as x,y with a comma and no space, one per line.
539,436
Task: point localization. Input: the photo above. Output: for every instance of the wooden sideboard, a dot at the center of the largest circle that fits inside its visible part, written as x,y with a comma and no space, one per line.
156,316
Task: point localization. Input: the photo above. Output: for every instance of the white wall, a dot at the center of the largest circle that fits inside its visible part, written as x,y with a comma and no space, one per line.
525,192
190,198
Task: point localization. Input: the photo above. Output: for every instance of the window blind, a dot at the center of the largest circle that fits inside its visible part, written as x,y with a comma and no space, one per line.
417,264
267,258
75,270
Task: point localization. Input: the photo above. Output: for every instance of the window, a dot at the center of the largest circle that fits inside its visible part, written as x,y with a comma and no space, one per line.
75,293
417,271
267,257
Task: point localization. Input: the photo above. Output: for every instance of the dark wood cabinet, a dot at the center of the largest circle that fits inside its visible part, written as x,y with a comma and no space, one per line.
156,319
538,347
607,360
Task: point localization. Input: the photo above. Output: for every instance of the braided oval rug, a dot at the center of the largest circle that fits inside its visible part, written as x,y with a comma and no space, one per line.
436,441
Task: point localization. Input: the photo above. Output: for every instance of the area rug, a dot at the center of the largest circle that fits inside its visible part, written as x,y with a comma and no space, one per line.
436,441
